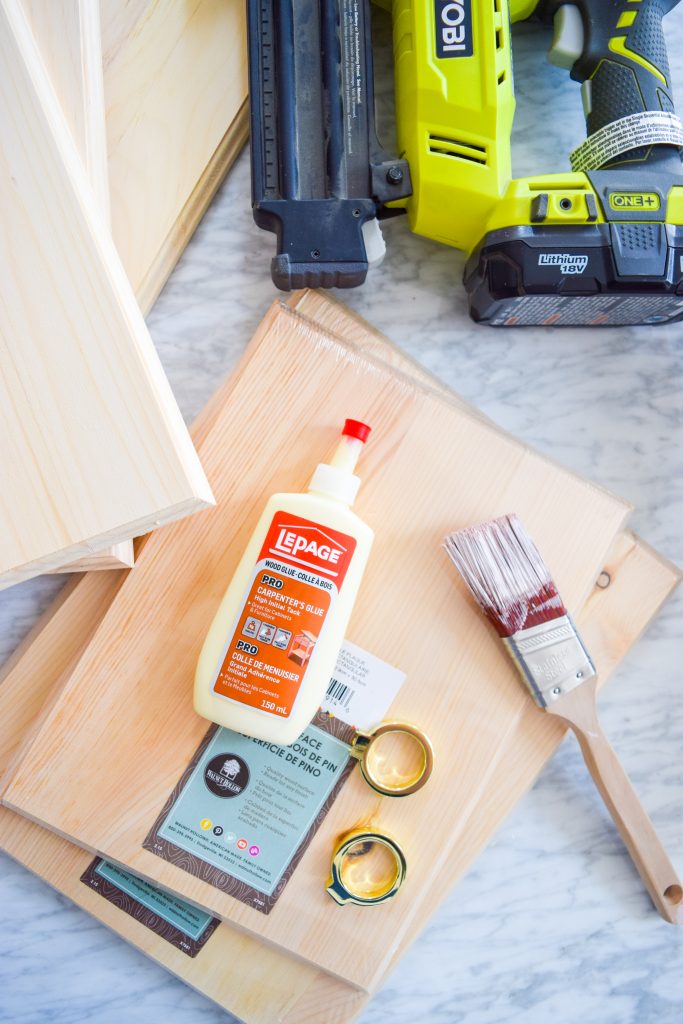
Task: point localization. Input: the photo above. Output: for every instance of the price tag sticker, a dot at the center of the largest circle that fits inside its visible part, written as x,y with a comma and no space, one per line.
362,687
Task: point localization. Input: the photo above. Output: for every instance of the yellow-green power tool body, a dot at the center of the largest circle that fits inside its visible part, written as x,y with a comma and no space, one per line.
601,244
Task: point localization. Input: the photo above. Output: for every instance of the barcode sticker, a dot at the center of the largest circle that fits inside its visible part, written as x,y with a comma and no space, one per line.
362,687
339,693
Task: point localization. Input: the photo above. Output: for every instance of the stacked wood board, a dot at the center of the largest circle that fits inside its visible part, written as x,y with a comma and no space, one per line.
94,449
181,573
154,96
175,89
67,33
69,41
254,981
610,621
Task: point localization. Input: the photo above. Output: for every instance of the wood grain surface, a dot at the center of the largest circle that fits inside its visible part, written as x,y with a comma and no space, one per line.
275,987
70,43
611,620
175,86
94,447
411,612
68,36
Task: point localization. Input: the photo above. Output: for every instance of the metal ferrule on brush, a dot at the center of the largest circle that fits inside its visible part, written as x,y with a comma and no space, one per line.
551,659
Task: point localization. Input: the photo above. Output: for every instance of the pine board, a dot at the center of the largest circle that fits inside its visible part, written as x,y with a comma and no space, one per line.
474,693
143,42
341,321
67,33
276,988
193,209
175,86
79,374
68,36
611,620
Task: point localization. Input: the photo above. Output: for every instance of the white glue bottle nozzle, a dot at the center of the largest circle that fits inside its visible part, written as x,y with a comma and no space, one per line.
335,479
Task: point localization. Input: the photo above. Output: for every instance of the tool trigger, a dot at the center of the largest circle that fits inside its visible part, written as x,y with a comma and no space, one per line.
568,37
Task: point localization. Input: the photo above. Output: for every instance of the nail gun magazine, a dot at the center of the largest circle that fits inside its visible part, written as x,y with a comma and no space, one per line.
596,240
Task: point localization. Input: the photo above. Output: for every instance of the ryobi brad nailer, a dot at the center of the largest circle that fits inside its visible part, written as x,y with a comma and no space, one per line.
602,244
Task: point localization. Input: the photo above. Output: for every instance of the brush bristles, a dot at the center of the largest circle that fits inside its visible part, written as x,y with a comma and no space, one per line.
506,574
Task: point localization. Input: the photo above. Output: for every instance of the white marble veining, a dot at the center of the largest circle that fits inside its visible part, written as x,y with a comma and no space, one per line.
552,923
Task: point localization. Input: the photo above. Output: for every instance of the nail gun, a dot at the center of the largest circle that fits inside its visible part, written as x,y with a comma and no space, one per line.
320,178
601,245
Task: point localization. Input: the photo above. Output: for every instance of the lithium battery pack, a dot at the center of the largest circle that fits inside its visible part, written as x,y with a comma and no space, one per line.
604,256
319,174
599,275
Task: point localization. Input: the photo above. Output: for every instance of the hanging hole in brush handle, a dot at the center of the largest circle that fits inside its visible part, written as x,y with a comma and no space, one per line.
674,893
646,849
635,827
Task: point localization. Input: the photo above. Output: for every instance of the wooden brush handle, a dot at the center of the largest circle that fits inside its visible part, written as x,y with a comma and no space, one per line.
644,845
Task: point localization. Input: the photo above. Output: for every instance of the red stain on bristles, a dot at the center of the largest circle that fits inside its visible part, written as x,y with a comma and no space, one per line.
509,580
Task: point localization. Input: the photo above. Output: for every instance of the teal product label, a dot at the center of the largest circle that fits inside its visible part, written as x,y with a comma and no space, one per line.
186,918
245,810
164,913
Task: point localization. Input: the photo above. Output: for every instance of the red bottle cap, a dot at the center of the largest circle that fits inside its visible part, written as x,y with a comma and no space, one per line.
354,428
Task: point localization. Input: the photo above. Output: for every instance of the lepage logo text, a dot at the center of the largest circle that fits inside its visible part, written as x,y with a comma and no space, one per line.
296,542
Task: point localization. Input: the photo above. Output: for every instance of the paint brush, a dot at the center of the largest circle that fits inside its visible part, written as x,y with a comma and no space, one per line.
511,583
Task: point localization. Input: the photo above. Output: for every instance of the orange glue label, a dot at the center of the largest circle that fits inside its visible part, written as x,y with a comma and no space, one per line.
296,580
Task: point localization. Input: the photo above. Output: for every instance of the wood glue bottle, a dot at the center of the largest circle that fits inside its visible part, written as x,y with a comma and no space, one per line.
267,659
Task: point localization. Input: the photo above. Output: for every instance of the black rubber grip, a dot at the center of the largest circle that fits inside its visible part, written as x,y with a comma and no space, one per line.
624,57
628,65
288,276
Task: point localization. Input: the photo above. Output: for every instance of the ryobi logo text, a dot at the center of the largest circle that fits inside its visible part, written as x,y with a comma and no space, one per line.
566,261
453,25
307,545
646,201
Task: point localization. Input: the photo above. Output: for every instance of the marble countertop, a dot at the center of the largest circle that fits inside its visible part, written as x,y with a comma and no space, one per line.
552,922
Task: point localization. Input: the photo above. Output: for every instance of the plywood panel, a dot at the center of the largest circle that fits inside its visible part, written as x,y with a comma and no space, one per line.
95,450
473,693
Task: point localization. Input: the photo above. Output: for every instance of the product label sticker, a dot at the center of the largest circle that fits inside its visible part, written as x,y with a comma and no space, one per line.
353,64
644,128
164,913
245,810
272,643
362,687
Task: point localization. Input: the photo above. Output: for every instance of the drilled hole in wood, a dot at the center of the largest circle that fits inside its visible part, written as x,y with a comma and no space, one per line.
674,893
604,579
